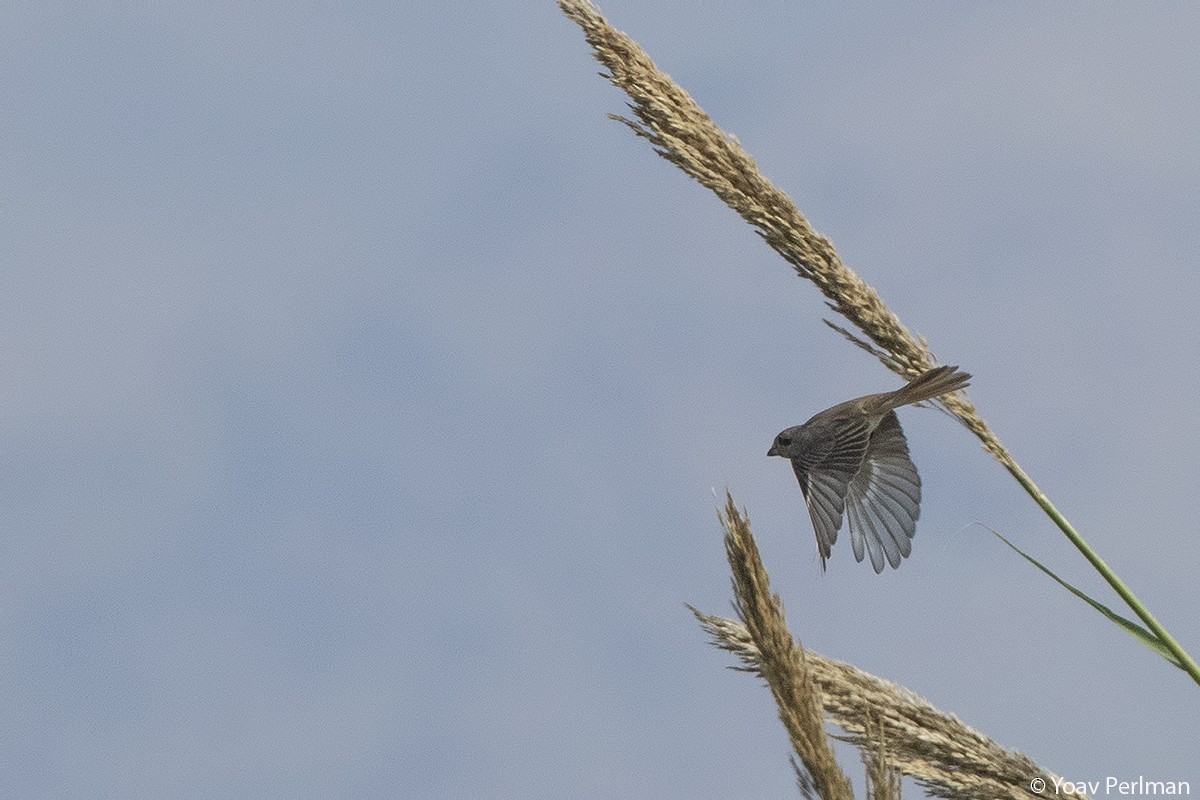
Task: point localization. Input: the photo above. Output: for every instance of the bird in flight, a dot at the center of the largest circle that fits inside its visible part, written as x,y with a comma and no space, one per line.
852,460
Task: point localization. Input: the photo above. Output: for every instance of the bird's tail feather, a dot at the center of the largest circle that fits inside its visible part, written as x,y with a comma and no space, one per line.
932,383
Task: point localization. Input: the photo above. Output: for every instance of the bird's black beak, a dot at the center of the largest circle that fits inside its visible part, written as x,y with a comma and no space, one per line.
773,451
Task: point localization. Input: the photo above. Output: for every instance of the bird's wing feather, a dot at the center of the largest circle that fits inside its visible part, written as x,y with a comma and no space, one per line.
883,500
825,477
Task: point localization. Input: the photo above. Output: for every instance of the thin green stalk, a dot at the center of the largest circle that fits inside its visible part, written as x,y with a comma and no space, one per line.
1105,571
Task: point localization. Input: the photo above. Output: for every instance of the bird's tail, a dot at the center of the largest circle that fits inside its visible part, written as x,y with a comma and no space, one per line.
932,383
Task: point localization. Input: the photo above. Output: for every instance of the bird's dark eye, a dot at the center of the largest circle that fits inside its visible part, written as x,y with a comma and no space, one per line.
784,440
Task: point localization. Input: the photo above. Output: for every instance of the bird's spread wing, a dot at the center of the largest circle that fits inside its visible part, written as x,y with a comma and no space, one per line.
826,480
883,500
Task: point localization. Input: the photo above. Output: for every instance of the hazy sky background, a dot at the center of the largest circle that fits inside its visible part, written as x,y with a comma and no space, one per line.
365,389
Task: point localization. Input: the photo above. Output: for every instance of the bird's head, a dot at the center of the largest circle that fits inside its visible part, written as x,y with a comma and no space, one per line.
785,443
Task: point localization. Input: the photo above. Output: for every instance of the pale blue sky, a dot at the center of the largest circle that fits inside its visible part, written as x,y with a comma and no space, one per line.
365,389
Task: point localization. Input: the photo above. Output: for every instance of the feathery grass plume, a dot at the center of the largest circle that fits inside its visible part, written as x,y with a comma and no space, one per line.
887,722
781,662
883,779
682,133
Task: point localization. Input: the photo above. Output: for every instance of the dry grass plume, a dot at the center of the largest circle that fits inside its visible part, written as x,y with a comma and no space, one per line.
896,730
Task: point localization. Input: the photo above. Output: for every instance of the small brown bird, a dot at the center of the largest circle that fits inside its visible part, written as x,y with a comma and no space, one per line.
853,459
